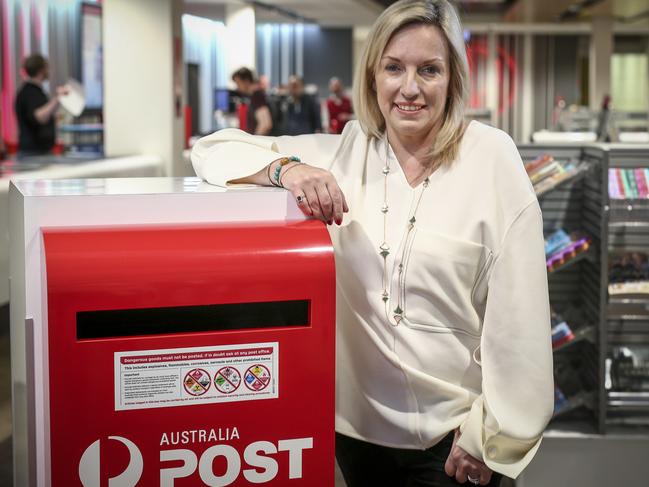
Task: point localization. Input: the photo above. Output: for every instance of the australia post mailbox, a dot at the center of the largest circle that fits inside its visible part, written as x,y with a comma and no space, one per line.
188,354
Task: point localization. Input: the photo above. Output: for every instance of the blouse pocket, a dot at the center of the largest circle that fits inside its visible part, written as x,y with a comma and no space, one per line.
437,283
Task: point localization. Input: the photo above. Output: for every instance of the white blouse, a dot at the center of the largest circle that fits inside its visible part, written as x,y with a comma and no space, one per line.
473,346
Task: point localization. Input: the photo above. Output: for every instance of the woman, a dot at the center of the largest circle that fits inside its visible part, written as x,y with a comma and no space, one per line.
444,365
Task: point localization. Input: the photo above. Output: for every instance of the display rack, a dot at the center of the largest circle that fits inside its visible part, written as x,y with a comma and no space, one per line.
85,135
627,314
603,370
576,286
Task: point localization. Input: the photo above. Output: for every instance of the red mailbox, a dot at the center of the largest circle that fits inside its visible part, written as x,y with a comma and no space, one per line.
191,355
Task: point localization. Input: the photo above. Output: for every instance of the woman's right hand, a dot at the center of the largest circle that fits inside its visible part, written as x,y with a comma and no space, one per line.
316,192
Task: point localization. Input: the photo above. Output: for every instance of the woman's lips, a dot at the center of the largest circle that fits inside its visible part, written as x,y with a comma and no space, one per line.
408,108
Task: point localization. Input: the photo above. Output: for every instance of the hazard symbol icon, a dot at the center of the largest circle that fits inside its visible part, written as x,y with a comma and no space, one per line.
197,382
257,377
227,380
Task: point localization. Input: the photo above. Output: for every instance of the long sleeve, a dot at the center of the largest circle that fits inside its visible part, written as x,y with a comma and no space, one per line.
506,421
231,153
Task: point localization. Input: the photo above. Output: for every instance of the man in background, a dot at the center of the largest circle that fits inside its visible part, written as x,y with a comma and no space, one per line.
258,117
35,111
302,111
339,107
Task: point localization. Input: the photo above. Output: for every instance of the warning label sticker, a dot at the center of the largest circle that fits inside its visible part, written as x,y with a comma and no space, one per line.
179,377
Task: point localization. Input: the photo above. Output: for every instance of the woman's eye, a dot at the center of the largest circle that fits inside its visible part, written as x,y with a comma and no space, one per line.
392,67
430,70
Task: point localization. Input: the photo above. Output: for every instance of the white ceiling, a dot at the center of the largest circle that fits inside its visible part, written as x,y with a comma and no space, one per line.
549,10
348,13
329,13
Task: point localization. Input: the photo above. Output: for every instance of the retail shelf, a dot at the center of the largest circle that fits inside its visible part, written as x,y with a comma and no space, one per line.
641,300
628,308
629,236
628,204
585,333
638,400
629,426
582,399
584,254
82,128
578,175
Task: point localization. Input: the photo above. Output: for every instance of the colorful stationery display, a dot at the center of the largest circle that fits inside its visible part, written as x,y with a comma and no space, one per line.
546,172
560,248
628,183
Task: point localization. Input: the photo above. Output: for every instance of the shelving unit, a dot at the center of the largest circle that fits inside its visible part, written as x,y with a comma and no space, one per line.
85,135
577,290
588,333
604,370
627,315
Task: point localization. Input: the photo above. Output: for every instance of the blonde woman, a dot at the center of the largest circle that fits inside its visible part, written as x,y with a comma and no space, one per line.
444,365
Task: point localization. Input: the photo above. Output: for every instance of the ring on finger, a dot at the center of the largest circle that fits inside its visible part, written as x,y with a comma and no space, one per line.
473,480
300,199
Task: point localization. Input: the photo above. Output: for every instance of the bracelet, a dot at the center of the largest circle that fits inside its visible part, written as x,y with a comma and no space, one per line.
281,178
278,169
268,174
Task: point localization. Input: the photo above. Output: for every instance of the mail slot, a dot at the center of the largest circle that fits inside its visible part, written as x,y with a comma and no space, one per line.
188,355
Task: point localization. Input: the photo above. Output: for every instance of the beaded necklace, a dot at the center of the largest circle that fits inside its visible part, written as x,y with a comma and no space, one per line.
384,248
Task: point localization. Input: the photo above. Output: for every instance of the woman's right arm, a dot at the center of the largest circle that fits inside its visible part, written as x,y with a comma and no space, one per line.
232,156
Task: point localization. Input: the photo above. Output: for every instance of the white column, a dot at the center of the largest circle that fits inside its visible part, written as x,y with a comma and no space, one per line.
140,114
527,99
601,51
241,37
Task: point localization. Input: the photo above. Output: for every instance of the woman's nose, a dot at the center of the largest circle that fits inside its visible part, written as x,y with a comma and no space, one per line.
409,86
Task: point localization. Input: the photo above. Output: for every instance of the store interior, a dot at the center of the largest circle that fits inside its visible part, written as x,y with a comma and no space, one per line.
566,79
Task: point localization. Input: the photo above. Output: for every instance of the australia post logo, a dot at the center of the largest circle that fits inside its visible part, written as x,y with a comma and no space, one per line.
257,464
90,463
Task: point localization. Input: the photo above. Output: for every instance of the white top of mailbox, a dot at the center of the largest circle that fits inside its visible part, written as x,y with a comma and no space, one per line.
126,186
148,200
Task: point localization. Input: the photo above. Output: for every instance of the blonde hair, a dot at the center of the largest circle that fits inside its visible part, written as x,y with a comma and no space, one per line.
439,13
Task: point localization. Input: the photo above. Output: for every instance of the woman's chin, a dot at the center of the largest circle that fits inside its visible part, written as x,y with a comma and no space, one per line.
409,128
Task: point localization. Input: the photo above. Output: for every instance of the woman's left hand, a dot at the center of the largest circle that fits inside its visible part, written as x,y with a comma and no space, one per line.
461,465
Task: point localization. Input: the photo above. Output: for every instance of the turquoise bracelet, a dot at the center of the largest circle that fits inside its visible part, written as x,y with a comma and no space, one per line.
283,162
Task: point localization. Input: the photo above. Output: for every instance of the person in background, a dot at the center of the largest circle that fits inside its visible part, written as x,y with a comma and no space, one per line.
339,106
301,112
444,359
35,111
258,118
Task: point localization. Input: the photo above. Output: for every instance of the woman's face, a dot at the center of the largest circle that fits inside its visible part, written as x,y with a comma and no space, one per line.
412,82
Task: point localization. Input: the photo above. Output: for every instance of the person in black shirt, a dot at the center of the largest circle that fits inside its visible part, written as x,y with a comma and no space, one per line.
302,111
34,111
258,119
